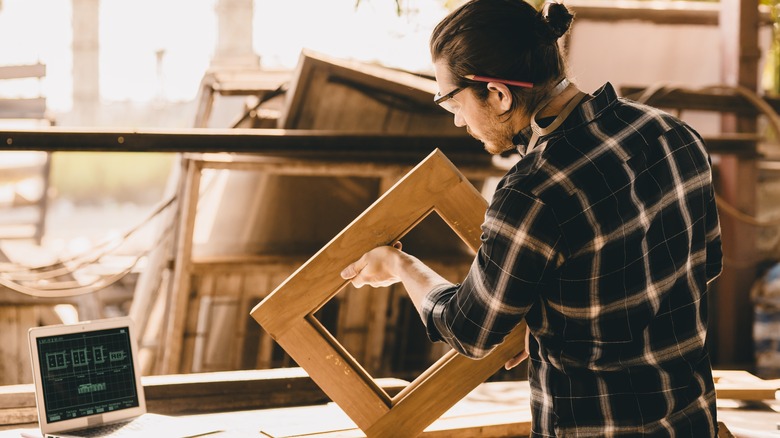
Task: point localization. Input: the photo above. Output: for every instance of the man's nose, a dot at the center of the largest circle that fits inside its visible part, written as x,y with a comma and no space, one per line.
458,120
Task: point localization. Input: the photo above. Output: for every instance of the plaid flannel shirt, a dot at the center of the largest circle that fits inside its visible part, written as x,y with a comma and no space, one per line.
603,238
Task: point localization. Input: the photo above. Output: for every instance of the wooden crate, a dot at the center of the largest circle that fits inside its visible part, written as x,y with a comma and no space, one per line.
337,94
380,328
230,283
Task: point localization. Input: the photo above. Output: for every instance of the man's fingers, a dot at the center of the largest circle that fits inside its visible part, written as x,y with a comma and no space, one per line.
349,272
527,338
353,269
515,361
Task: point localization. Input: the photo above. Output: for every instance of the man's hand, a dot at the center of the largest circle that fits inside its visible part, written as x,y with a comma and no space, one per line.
376,268
387,265
523,355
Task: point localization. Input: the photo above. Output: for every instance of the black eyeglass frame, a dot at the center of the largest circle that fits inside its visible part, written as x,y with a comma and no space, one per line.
438,100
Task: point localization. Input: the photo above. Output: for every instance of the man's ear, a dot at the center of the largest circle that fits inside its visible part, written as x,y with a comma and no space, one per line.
499,96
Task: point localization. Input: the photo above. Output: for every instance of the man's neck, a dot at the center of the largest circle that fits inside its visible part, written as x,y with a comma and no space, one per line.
556,105
521,120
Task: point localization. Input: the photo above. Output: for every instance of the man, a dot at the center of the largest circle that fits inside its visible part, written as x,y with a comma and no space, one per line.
603,236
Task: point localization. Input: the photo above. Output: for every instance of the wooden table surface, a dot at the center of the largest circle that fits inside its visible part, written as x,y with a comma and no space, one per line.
493,409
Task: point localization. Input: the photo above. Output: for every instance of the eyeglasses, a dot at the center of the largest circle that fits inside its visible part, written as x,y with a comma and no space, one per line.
450,104
447,102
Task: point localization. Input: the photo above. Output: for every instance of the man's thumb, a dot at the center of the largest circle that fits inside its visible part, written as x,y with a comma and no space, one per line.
349,272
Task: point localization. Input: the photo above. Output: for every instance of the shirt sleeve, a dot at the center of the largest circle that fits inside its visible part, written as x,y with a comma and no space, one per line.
519,240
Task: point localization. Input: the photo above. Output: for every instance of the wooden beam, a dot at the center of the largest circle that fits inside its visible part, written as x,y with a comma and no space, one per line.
248,82
22,71
742,145
699,100
181,394
741,385
464,151
281,142
738,176
674,13
178,296
32,108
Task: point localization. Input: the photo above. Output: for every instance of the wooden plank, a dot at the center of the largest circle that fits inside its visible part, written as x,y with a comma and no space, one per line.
233,329
37,70
433,185
737,181
672,13
179,293
148,304
375,332
343,95
300,143
239,390
435,391
15,320
336,372
698,99
249,81
740,145
151,344
205,99
202,392
10,173
221,335
197,324
741,385
353,320
8,339
355,111
18,416
251,286
314,70
23,108
494,409
27,319
305,116
267,345
266,401
496,424
17,396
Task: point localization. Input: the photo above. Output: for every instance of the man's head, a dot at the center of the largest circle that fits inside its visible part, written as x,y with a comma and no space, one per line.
504,39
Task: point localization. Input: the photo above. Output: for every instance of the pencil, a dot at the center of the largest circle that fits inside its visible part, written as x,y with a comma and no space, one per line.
503,81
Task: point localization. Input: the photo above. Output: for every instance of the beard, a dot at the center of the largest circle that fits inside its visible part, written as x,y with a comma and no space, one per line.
496,137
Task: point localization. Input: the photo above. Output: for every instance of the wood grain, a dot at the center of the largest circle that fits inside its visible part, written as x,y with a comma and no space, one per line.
434,185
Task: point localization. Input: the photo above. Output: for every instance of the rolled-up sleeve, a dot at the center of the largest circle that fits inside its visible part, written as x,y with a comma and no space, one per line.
519,240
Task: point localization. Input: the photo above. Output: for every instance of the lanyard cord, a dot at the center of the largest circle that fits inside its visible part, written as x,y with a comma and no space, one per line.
538,131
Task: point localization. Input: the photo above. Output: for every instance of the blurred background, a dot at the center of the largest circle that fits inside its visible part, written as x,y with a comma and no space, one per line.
159,65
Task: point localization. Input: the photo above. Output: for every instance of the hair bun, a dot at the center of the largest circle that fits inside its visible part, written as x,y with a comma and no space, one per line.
557,18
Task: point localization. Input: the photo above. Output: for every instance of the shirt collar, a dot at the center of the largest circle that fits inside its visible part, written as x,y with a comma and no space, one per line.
587,111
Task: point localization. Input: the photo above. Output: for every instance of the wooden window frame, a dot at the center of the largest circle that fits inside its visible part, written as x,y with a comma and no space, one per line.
434,185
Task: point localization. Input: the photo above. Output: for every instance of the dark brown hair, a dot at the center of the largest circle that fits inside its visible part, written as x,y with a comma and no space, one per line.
507,39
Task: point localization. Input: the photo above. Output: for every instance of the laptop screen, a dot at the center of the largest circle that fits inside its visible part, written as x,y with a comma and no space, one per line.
87,373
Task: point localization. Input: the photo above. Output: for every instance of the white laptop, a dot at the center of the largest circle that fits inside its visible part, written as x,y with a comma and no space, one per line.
88,383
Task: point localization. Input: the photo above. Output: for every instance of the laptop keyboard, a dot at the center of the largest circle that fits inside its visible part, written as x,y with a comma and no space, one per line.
107,430
144,426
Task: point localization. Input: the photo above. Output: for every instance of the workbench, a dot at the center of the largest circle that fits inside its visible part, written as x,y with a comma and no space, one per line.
286,402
